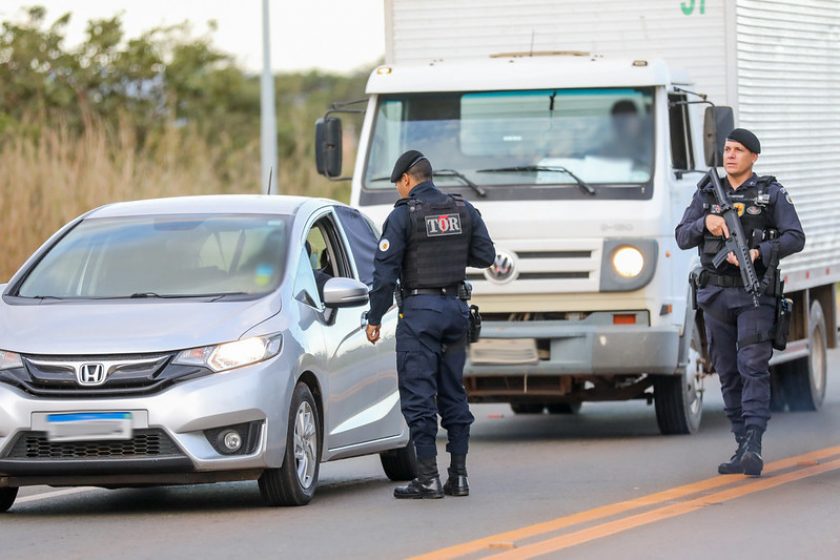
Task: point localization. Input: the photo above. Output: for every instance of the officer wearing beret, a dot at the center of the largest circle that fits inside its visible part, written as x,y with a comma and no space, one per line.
740,333
427,242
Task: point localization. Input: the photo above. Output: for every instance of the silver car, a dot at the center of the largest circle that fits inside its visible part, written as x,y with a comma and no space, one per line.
197,339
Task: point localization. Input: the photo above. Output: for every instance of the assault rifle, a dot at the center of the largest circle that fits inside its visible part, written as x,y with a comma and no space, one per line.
737,242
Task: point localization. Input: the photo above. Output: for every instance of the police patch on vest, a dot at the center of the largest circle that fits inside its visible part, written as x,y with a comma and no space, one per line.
754,210
444,224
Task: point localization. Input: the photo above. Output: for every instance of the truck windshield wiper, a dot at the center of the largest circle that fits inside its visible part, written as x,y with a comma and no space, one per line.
446,173
538,168
452,173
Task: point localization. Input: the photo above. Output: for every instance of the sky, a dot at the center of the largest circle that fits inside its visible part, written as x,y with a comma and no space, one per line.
304,34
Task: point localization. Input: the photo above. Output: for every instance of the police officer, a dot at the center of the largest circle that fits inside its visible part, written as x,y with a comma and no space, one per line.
740,333
427,242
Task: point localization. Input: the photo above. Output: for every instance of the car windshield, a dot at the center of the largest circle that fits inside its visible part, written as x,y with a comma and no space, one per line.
522,138
171,256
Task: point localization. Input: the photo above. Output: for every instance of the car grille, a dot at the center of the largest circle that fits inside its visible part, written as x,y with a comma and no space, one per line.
126,375
144,444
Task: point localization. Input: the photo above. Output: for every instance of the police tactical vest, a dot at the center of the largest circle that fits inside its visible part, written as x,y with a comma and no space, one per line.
753,206
439,244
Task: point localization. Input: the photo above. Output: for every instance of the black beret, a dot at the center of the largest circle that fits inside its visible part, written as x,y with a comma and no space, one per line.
404,163
747,138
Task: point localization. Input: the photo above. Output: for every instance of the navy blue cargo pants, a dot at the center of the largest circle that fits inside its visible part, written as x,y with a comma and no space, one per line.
743,367
431,351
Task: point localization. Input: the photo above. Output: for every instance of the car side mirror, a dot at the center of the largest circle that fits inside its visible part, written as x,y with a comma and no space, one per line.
328,146
718,122
345,292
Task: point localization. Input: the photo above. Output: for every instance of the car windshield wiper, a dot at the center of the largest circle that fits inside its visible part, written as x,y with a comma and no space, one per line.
446,173
538,168
217,295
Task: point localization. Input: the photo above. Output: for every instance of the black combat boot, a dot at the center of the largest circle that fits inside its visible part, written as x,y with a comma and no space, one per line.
456,484
425,486
751,462
734,464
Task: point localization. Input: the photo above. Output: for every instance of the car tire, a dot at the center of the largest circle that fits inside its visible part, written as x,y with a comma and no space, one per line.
527,408
564,408
295,482
804,380
7,498
400,464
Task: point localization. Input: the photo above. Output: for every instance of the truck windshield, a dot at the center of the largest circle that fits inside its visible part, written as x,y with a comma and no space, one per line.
519,138
152,257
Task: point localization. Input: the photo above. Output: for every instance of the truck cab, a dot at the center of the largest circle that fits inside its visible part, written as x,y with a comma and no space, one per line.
580,165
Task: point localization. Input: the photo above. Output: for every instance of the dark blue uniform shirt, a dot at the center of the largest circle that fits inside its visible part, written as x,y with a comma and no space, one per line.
395,235
691,230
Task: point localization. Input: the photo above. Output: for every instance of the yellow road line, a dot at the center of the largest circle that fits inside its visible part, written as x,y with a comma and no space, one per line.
620,525
506,539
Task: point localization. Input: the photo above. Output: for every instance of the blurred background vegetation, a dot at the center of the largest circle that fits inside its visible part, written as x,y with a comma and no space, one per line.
123,118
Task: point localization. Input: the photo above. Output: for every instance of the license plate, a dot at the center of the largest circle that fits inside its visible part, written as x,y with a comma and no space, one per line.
504,351
89,426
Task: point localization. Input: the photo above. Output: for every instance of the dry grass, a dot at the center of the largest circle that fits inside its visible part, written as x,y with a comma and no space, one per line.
45,182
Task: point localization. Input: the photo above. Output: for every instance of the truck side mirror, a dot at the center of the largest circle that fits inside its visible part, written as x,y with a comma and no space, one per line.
718,122
328,146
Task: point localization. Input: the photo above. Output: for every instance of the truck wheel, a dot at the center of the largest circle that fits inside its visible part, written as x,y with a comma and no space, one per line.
7,498
679,398
778,403
400,464
804,380
294,483
527,408
564,408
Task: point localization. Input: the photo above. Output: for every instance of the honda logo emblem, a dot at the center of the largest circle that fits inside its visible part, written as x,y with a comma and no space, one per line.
90,374
503,268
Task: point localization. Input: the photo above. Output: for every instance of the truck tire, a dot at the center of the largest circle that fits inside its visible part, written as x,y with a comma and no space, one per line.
778,402
400,464
527,408
564,408
7,498
295,482
804,380
678,399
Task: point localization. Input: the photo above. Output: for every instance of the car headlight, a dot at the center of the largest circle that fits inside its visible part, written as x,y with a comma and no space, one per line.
231,355
628,261
10,360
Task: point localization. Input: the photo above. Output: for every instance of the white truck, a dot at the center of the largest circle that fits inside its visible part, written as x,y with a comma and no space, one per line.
574,129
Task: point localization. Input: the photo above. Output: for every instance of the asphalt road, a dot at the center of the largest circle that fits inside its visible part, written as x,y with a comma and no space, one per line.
602,484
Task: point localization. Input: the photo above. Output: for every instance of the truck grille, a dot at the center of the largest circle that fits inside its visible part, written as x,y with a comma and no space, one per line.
144,444
559,266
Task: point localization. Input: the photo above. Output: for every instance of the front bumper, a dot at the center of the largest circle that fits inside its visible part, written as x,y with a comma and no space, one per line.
257,394
576,348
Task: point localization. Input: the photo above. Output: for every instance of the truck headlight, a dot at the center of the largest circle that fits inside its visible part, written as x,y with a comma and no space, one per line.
231,355
628,261
10,360
627,264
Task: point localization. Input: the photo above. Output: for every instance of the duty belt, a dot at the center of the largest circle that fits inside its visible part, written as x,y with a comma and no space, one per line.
708,278
720,280
447,291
